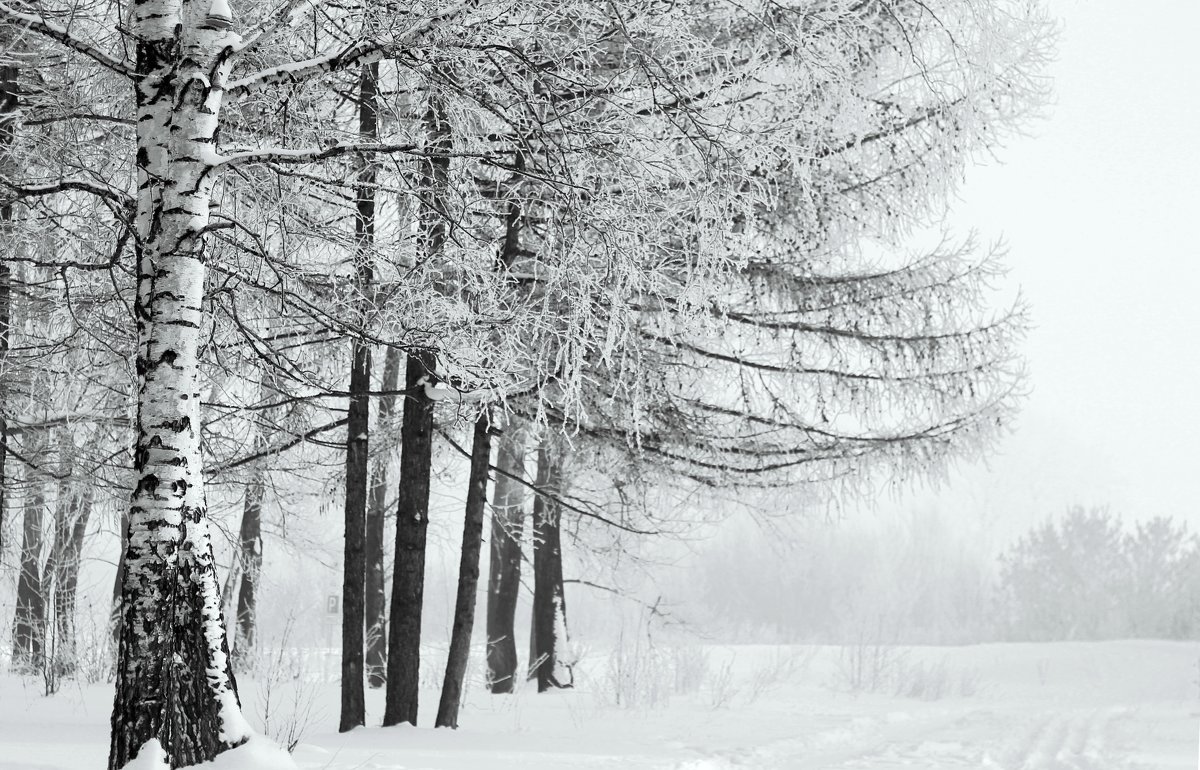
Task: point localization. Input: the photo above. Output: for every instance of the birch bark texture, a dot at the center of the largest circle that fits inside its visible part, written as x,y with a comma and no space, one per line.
174,683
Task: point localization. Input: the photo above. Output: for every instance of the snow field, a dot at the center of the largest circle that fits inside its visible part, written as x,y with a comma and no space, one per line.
1129,705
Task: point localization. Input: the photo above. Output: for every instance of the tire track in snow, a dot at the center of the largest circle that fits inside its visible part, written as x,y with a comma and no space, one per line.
1076,740
1070,740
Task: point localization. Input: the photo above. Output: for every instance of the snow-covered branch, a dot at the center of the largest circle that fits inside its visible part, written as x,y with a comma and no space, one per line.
308,154
64,37
111,194
357,53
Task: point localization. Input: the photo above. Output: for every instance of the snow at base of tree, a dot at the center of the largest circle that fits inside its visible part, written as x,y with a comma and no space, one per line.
234,727
258,753
151,756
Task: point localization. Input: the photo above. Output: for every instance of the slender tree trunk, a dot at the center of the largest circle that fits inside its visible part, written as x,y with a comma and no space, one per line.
175,690
67,583
549,626
412,522
72,511
376,599
504,574
251,559
354,565
29,620
416,453
116,609
358,425
8,132
468,575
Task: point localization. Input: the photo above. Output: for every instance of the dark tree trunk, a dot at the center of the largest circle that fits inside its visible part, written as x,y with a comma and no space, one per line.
358,427
354,568
416,451
549,625
468,575
29,620
251,559
8,131
412,522
67,584
504,574
72,511
115,615
376,599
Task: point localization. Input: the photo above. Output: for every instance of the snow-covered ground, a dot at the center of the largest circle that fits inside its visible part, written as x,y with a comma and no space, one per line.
1065,706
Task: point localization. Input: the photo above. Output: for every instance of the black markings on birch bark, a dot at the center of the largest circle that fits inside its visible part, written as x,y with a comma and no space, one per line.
174,680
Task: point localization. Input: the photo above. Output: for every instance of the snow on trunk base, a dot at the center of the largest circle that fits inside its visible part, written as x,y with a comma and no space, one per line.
258,753
150,756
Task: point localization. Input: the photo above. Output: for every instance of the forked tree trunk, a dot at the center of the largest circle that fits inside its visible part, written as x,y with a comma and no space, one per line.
72,511
504,573
468,575
376,598
416,451
548,650
67,584
175,690
412,523
358,426
29,619
250,560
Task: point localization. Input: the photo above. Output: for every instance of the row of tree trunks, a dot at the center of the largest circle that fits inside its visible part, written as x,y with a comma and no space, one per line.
468,574
376,590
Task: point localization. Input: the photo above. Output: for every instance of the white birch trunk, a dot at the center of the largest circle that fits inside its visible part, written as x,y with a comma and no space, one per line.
174,681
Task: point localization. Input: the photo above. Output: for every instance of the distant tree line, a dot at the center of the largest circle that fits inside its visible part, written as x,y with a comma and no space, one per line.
1084,575
1090,576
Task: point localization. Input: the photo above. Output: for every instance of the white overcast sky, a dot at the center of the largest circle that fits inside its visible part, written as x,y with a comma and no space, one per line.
1100,206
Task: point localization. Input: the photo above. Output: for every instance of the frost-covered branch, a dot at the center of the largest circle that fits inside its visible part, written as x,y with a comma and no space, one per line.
357,53
64,37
